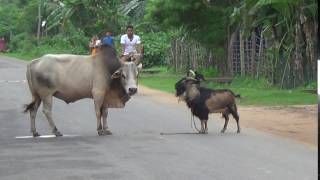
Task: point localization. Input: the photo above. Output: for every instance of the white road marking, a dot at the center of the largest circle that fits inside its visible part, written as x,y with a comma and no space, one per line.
13,81
45,136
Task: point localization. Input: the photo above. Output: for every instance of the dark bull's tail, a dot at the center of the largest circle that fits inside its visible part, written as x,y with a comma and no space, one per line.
29,107
237,96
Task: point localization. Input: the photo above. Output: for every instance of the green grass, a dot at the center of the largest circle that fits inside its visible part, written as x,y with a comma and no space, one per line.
258,93
162,83
22,56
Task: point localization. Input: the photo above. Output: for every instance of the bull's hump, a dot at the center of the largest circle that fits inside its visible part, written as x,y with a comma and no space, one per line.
65,58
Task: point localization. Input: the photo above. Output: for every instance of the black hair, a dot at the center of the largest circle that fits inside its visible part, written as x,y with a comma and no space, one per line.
129,26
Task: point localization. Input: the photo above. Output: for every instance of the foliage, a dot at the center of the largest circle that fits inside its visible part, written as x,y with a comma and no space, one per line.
176,33
250,82
92,16
209,72
288,25
206,24
262,95
155,48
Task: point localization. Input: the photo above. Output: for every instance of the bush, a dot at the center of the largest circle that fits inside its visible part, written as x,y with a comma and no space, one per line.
250,82
71,43
156,46
22,43
209,72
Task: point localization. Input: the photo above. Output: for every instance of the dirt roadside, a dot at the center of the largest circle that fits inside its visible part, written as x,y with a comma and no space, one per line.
298,123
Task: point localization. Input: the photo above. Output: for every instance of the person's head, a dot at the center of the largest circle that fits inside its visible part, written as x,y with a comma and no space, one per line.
94,38
130,30
108,33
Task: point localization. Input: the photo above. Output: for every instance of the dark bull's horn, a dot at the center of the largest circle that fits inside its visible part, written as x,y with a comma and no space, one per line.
192,72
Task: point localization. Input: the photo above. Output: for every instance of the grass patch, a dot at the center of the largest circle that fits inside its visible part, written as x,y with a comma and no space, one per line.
253,92
18,55
161,82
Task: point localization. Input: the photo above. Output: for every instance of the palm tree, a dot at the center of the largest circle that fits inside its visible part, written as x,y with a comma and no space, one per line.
283,23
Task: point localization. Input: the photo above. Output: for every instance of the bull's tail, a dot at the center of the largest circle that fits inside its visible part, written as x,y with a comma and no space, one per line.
35,97
29,107
237,96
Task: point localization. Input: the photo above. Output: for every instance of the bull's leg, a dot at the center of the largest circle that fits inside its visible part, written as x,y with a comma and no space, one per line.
226,117
235,115
104,119
202,127
33,114
204,118
98,102
206,126
47,110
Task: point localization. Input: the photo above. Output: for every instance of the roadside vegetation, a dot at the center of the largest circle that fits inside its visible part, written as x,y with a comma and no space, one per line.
258,92
267,47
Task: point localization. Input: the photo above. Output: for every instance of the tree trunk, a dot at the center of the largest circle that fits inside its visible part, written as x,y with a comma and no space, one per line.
176,54
308,25
242,65
253,53
297,63
260,54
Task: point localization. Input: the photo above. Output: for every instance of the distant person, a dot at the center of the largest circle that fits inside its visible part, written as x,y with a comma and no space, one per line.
2,44
108,39
131,46
94,44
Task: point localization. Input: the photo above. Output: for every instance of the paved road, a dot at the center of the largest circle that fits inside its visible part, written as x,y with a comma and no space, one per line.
136,150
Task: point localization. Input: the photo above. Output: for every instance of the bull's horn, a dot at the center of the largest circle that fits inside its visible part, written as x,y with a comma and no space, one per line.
192,72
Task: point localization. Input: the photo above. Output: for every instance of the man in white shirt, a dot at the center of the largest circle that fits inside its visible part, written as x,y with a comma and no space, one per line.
131,46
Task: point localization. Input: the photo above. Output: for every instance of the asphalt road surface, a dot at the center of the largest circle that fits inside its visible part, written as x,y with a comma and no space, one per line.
136,150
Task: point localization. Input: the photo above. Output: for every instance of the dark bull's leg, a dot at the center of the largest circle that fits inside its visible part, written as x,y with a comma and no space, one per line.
226,117
202,126
206,126
235,115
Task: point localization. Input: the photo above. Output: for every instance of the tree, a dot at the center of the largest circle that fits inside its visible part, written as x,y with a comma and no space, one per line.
287,26
203,22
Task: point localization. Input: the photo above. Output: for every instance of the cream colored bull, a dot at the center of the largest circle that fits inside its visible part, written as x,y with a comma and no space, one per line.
72,77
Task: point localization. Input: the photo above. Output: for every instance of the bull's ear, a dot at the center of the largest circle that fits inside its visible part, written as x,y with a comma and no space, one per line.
139,66
116,74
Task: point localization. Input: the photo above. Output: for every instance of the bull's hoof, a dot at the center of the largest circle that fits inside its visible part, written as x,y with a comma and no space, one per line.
223,130
107,132
58,134
35,134
101,133
104,132
238,131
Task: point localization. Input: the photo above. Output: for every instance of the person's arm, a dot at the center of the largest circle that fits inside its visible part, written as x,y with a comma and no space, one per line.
122,42
139,46
90,44
142,50
138,40
112,41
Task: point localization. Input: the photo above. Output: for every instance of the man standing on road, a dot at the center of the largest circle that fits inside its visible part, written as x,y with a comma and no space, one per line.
131,46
